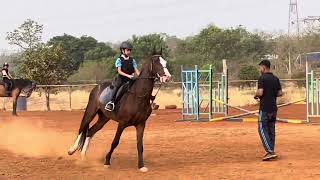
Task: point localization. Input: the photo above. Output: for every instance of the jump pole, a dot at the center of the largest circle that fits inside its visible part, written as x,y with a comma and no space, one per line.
247,111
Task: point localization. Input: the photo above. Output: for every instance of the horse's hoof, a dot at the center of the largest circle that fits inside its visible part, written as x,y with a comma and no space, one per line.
83,158
106,166
71,151
143,169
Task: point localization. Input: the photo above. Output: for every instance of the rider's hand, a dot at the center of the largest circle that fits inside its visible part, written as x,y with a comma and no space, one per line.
132,77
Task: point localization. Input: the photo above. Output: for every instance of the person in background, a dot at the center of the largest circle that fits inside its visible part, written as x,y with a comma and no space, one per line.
6,77
269,88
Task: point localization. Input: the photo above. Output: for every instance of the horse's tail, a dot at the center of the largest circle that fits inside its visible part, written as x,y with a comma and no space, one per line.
89,114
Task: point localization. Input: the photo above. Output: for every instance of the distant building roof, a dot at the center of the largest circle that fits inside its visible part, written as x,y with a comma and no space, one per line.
313,56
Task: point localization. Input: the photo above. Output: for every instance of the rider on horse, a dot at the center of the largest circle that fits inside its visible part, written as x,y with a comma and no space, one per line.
6,77
126,68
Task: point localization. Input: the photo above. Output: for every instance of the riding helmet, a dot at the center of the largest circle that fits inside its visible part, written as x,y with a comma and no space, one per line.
126,45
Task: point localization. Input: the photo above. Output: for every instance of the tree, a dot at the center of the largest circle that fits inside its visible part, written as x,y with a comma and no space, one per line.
72,48
213,44
144,46
248,72
232,44
97,70
79,49
38,62
45,67
100,52
28,36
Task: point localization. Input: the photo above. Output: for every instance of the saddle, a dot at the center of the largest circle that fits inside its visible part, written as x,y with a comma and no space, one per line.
9,85
122,90
106,95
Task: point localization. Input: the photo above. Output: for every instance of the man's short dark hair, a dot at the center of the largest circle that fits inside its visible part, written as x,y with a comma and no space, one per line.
265,63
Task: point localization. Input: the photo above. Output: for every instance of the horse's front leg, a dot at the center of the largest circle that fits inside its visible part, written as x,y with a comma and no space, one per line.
15,94
140,131
14,106
114,144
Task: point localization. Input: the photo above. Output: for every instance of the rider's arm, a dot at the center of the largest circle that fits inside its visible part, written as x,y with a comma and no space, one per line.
123,74
136,70
9,75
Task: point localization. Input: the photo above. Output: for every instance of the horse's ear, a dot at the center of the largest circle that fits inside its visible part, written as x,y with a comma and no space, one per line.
154,52
161,51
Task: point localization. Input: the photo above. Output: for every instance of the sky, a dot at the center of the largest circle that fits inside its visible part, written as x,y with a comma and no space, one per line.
118,20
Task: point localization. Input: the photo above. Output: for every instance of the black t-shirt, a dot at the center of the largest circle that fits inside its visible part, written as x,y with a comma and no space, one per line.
270,85
7,71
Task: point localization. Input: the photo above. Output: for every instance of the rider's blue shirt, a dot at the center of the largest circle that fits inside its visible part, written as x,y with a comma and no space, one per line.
119,64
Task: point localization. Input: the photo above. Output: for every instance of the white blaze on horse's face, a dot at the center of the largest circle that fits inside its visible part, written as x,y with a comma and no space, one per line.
167,76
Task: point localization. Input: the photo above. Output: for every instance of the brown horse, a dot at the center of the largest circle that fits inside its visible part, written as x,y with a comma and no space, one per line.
133,109
18,85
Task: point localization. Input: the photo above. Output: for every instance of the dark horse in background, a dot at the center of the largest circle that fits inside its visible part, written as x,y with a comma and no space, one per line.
18,85
133,109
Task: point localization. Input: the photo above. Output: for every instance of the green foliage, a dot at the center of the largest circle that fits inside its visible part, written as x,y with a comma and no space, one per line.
248,72
90,59
144,46
79,49
214,44
28,36
44,65
301,76
100,52
95,70
38,62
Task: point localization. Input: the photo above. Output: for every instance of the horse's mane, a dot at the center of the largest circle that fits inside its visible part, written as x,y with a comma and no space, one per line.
22,81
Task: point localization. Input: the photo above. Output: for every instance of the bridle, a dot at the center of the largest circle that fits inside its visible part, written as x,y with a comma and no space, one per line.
154,77
28,90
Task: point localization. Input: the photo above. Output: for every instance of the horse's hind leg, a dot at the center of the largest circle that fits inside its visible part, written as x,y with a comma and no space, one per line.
91,132
88,116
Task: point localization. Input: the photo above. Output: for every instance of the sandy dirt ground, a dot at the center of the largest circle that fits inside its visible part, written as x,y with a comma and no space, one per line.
34,146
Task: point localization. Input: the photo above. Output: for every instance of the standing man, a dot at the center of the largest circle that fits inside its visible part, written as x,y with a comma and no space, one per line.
269,88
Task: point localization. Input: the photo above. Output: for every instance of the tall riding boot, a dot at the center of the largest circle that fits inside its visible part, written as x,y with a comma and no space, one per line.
6,89
110,105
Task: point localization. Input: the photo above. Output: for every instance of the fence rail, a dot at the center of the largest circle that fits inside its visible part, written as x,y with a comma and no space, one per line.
75,96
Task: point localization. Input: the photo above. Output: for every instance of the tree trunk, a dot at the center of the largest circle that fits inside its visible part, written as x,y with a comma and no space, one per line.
47,92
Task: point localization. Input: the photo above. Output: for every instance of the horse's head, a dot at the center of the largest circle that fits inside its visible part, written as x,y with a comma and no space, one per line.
27,86
158,67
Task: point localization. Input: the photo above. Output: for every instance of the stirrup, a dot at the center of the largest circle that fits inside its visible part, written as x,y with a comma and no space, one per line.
109,103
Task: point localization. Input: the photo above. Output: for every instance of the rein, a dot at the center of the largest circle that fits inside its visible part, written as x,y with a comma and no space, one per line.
154,78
